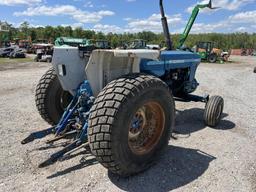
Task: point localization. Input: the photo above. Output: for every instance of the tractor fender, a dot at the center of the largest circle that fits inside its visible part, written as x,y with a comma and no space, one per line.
69,66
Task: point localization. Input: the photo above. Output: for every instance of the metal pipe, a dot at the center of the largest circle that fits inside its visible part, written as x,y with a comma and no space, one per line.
165,27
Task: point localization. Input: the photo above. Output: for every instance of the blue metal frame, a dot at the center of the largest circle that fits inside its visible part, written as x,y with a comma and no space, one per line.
81,103
83,90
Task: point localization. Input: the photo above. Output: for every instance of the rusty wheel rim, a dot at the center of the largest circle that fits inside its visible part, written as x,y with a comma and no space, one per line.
146,128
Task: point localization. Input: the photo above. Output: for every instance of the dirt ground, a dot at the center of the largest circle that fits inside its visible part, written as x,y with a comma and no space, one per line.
200,159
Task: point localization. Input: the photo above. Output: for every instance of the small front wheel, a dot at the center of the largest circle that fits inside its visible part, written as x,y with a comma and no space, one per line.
213,111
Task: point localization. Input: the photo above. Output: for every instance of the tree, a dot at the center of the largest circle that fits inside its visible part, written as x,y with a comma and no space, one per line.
49,33
223,41
78,32
24,28
33,34
68,31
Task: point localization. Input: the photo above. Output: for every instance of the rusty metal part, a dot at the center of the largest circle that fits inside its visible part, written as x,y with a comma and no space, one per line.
146,128
50,141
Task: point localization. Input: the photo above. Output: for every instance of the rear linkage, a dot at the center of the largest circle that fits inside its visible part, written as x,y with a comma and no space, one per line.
73,124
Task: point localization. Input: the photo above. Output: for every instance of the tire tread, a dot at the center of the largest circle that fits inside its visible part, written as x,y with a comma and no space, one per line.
211,110
103,113
41,94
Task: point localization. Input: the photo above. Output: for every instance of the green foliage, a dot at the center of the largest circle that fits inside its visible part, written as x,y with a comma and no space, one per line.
223,41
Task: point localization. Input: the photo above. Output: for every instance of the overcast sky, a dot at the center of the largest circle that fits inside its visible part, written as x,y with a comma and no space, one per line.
120,16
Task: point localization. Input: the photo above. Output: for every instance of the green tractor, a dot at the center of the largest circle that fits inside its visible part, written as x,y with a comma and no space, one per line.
205,50
209,52
73,42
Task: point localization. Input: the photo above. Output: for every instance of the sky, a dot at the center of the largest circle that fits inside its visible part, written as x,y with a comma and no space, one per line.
119,16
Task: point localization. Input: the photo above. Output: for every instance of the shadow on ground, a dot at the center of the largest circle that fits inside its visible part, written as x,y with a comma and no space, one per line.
191,120
86,160
177,167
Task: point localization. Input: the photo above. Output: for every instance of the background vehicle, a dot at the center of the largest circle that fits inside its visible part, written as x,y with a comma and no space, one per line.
44,53
17,53
73,42
102,44
153,46
208,52
137,44
5,52
25,44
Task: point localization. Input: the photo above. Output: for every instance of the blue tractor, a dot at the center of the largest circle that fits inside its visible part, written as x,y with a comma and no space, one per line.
122,106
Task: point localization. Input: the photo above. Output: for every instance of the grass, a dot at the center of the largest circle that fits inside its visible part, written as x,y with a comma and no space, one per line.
18,60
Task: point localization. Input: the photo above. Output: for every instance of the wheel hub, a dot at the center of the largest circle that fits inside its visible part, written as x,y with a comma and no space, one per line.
137,124
146,128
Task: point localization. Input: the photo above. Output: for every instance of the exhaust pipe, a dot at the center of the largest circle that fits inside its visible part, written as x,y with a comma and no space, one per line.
165,27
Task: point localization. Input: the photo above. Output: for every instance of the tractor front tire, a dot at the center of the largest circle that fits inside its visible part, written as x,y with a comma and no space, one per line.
213,111
130,123
51,100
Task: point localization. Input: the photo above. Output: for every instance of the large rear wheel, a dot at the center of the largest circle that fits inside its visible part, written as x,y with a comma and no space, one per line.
130,123
51,100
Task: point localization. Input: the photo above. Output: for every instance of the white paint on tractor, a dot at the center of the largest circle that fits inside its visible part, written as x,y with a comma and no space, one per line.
107,65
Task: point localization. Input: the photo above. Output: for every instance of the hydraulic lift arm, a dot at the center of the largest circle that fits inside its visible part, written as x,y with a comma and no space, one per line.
184,35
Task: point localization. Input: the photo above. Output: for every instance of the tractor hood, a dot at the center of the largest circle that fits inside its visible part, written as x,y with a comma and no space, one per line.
179,56
171,60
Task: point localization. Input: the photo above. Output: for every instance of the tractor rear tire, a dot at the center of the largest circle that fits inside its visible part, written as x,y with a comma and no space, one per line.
213,111
212,58
51,100
130,123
